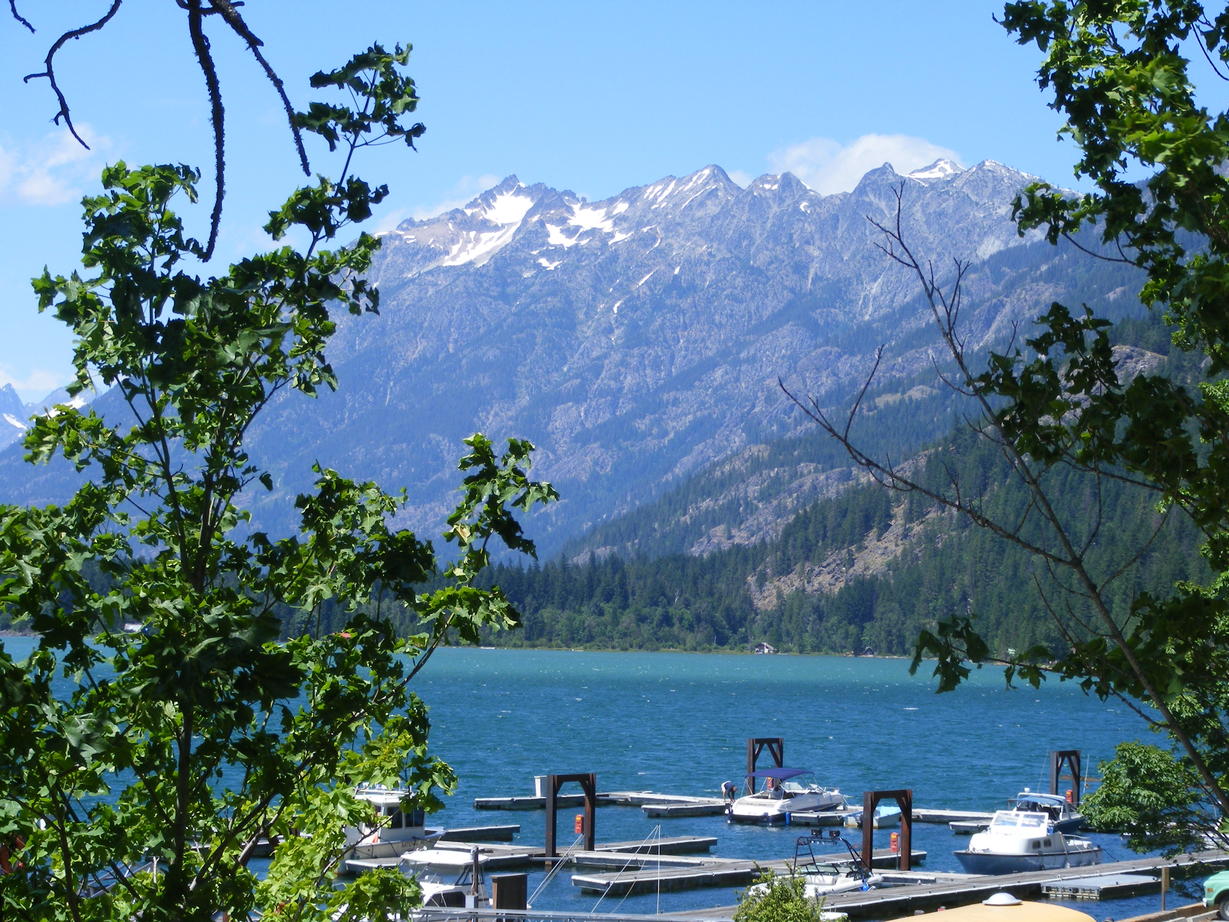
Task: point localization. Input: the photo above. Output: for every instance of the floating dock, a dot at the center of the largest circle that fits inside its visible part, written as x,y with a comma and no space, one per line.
667,805
481,833
1102,887
959,890
649,873
497,857
685,806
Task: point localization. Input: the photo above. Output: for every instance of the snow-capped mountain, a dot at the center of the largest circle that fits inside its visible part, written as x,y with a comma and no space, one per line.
637,338
15,415
12,415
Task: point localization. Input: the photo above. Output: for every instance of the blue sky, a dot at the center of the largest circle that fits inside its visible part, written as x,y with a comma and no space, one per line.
592,97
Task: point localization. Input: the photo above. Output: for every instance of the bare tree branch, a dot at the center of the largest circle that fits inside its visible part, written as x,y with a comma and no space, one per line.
229,13
49,61
217,116
16,15
197,11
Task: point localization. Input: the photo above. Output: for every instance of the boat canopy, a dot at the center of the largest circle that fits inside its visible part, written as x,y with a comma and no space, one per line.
1040,798
438,858
779,773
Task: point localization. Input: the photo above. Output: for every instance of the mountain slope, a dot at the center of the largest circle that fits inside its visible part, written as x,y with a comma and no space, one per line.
638,339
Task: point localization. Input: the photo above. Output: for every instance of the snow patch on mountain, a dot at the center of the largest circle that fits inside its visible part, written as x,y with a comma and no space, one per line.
667,192
507,208
940,169
556,236
477,247
506,211
587,217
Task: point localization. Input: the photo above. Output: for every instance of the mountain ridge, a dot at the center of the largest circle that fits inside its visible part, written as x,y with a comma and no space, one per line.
639,338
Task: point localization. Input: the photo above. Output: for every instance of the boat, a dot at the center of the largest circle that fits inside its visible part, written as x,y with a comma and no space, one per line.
823,876
785,791
968,827
1018,840
448,877
394,830
884,817
1062,813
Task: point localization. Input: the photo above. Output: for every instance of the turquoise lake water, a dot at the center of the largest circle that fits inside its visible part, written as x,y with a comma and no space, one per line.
678,724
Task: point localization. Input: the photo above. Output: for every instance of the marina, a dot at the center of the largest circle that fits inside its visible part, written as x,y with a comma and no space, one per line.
670,864
504,718
666,864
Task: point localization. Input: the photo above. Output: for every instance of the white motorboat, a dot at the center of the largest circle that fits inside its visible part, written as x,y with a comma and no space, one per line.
448,877
1018,840
1062,813
883,817
824,875
785,791
395,830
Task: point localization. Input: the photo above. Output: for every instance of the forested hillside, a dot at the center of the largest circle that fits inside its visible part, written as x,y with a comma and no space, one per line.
861,571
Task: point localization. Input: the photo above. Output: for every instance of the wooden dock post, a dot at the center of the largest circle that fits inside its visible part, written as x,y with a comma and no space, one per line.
1071,759
904,800
509,891
755,747
588,784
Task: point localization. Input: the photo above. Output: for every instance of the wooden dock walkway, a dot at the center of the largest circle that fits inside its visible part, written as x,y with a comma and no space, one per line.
649,873
667,805
499,857
603,799
963,889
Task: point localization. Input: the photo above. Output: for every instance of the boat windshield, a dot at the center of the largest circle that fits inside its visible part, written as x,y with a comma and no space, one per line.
1007,819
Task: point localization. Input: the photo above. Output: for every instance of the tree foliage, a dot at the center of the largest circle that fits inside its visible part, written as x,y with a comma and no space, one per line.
778,899
142,768
1129,78
1143,795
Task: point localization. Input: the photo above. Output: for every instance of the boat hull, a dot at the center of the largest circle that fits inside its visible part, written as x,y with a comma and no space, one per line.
763,811
993,863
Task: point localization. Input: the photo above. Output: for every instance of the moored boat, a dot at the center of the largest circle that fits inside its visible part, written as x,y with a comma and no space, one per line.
884,816
785,791
1017,840
394,830
448,877
1062,812
821,876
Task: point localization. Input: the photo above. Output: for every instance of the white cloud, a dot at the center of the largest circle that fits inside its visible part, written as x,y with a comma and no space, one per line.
740,177
828,166
51,170
461,194
388,222
35,385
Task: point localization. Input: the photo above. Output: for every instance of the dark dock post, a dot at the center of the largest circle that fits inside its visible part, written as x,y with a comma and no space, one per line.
904,800
776,748
509,891
1071,759
588,784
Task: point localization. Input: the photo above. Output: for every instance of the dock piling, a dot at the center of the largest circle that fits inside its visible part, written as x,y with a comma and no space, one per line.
755,748
904,800
588,784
